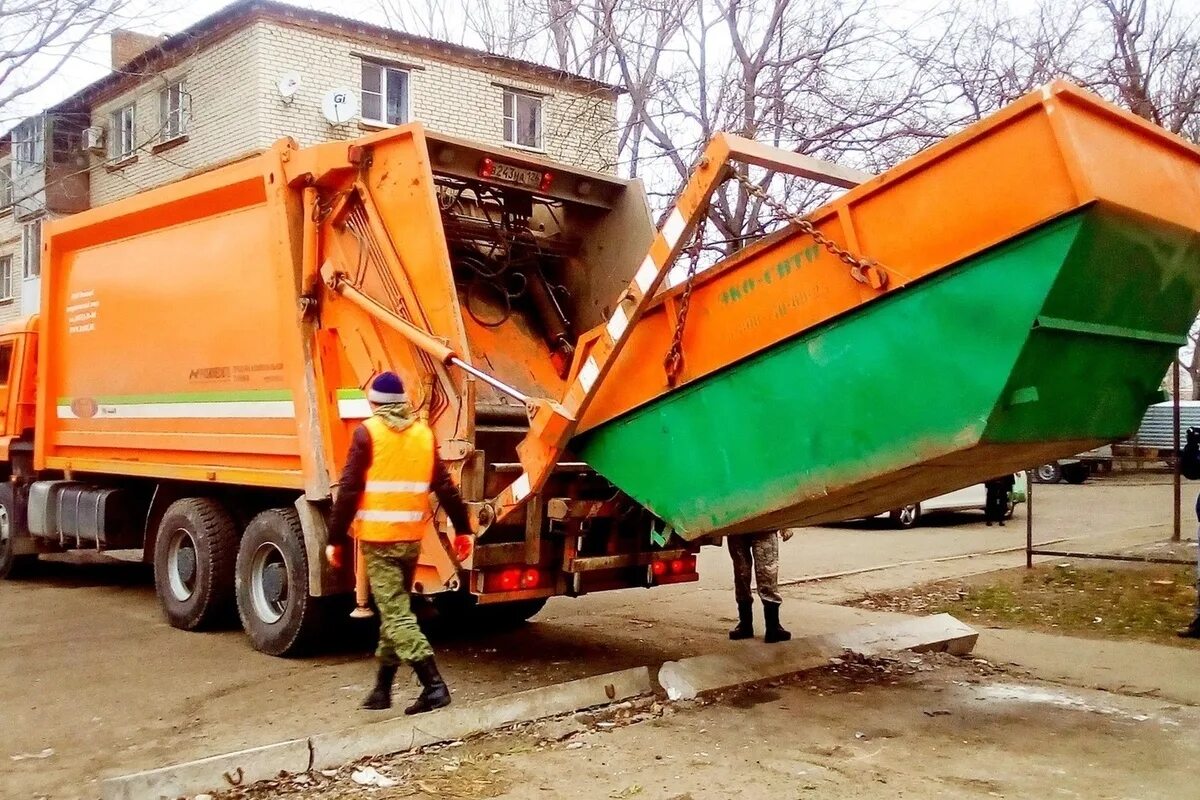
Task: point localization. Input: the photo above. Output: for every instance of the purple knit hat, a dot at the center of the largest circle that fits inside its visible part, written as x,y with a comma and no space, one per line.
387,388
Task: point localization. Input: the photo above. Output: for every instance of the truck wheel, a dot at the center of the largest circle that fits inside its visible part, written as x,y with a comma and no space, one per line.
11,564
906,517
1076,473
194,555
1048,473
277,612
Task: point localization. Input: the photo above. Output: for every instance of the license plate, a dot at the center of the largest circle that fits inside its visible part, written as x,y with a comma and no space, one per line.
518,175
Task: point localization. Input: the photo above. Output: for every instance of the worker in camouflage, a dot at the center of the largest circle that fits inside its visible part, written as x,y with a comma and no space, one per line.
383,502
757,553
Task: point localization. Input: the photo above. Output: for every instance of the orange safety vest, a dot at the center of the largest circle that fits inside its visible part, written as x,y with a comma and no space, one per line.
395,504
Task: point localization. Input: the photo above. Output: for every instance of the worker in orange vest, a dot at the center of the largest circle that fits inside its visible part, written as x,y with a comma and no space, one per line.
383,502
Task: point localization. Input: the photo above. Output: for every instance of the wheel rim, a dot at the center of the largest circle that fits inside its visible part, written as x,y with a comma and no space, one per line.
181,564
5,531
908,515
268,583
1046,472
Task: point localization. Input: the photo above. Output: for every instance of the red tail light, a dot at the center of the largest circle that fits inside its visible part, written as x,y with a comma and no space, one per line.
547,179
510,579
659,568
487,167
462,547
530,579
677,566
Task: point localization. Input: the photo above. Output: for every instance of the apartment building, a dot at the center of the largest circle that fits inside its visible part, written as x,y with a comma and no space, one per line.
234,83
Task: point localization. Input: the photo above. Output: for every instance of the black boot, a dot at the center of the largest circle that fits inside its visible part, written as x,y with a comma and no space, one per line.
434,692
745,626
381,696
775,632
1192,631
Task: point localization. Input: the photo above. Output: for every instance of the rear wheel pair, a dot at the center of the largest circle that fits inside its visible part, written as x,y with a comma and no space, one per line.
202,573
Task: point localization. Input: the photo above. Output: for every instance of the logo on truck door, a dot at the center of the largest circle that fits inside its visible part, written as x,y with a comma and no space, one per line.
84,407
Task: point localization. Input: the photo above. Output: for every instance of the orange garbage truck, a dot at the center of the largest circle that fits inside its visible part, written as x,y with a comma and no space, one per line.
191,384
1007,297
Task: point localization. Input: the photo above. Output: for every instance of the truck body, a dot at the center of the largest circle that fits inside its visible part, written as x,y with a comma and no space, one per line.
190,381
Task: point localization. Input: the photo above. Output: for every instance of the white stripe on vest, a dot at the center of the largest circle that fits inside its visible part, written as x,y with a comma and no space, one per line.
398,487
390,516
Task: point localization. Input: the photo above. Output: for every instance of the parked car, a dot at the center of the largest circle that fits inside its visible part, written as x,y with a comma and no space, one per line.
972,498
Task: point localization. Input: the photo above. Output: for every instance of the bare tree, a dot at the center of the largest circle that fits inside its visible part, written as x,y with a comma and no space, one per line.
37,37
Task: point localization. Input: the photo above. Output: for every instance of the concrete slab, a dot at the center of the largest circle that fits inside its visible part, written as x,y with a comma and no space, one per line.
218,772
689,677
393,735
460,721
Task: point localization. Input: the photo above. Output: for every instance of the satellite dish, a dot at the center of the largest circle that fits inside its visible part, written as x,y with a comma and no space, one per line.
288,84
340,106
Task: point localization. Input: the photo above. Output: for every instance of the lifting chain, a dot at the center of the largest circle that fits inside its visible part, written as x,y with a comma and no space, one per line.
863,270
673,363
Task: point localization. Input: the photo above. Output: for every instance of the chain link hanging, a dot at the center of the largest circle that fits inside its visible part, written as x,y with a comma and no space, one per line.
863,270
673,363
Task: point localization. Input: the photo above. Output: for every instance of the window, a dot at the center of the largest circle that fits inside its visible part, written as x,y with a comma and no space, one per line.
173,110
523,119
123,132
6,186
6,284
65,144
384,94
6,354
31,248
28,146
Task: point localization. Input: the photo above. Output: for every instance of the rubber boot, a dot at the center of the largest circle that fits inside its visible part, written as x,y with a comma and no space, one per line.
745,626
775,632
381,696
1192,631
434,692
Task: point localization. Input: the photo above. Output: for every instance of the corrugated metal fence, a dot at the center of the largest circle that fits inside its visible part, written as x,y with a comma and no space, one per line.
1155,430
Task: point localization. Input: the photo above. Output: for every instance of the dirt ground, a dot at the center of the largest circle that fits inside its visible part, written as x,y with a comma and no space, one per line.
93,683
917,726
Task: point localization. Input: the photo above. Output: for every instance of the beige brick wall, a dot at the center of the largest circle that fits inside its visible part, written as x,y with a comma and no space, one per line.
10,245
451,98
224,119
236,107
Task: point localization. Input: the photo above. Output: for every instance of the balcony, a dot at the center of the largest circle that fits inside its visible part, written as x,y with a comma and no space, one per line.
50,179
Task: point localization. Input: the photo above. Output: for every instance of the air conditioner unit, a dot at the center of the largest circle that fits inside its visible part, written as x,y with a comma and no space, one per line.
93,139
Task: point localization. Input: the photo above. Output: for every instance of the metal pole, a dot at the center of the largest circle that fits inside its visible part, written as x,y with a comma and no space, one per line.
1176,530
488,379
1029,517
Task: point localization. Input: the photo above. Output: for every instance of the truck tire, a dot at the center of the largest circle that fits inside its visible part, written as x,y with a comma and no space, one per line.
906,517
277,612
1076,473
1048,473
194,555
11,565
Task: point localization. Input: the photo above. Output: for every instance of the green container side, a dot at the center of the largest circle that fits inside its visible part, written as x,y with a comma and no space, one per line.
930,370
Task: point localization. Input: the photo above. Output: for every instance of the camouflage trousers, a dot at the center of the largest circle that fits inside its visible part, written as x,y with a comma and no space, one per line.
390,569
756,553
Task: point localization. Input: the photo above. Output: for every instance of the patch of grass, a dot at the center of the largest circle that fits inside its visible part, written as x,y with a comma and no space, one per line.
1147,602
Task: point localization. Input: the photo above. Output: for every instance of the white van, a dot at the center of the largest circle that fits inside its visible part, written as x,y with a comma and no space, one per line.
972,498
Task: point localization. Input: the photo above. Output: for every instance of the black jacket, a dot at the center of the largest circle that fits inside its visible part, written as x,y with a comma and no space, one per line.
354,481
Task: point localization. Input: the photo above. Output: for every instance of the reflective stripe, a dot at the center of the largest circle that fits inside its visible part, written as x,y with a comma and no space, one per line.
401,487
390,516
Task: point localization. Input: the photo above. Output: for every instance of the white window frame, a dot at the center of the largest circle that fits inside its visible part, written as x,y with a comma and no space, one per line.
6,279
512,98
31,249
29,146
386,75
7,193
124,132
174,118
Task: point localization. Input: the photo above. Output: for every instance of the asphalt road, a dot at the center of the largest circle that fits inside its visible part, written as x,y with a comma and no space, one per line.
93,682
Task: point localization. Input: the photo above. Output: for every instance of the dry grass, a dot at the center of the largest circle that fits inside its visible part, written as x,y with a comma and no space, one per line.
1146,602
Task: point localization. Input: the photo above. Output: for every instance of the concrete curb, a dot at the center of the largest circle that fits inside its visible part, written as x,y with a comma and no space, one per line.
681,680
689,677
388,736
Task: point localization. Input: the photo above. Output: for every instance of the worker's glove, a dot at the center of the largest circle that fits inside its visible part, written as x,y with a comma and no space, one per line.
333,554
1193,436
